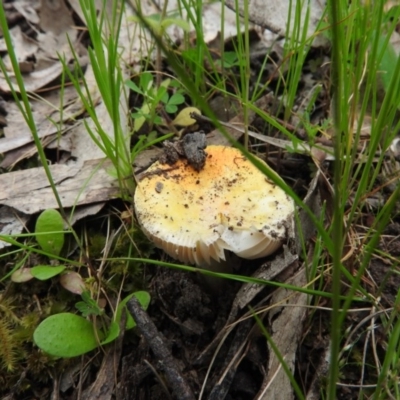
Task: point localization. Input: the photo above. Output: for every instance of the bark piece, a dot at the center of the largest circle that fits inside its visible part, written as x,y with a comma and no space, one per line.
286,333
28,191
273,15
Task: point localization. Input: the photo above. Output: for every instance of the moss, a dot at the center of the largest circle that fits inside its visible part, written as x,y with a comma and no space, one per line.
9,345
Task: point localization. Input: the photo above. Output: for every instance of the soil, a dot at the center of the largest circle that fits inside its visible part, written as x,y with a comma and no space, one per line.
189,315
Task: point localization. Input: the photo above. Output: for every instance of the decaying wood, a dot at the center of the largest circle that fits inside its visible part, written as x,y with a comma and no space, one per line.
286,330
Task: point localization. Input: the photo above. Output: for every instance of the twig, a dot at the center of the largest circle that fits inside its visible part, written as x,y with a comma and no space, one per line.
181,389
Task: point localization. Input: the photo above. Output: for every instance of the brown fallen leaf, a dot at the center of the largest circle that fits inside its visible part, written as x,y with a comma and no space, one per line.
273,15
28,191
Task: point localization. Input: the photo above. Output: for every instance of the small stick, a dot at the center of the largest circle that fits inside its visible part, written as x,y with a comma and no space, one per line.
158,171
181,389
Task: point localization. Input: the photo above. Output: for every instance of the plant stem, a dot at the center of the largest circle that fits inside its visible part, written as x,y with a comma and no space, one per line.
337,225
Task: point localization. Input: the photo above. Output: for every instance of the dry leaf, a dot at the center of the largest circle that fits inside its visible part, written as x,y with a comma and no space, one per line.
273,15
22,275
184,119
72,282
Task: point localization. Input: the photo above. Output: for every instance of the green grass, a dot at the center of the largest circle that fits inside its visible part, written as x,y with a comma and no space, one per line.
364,83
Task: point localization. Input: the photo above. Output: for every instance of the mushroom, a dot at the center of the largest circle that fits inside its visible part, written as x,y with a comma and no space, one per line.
198,217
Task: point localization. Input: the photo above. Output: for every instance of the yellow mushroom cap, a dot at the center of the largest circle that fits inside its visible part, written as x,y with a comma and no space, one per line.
195,216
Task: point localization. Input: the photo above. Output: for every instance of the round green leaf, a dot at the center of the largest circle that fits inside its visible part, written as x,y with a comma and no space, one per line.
44,272
176,98
113,332
48,230
66,335
144,300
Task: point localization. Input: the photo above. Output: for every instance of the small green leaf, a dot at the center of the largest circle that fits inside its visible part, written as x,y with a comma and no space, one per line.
157,120
88,306
48,229
160,95
165,97
171,109
144,300
184,25
388,62
140,117
44,272
146,81
135,88
156,18
166,83
151,136
229,60
113,332
153,21
175,84
190,56
176,99
66,335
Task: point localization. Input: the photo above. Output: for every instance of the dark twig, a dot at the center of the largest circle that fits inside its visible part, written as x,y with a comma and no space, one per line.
179,386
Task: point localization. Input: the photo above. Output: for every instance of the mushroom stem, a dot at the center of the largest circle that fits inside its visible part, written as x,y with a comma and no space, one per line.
229,265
